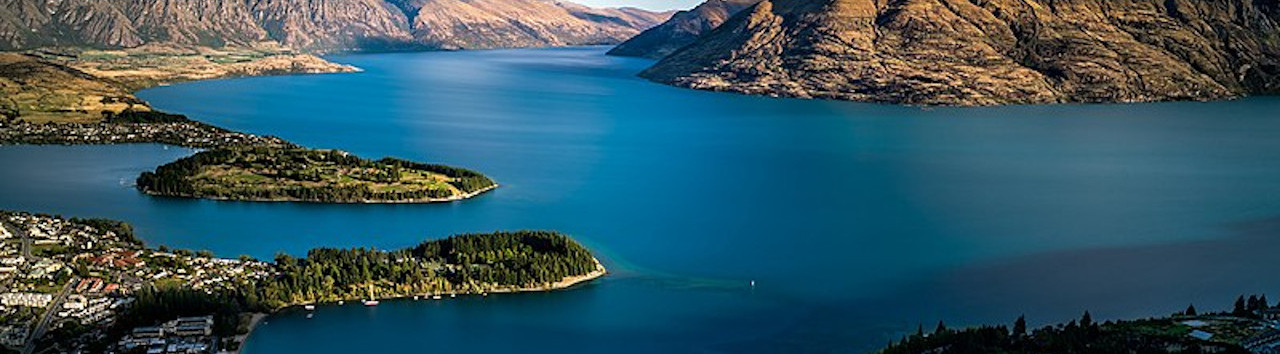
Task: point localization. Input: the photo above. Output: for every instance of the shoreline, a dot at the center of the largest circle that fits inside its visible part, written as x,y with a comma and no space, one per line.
254,320
454,198
563,284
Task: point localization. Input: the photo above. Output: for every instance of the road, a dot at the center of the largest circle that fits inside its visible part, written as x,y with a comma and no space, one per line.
43,325
22,235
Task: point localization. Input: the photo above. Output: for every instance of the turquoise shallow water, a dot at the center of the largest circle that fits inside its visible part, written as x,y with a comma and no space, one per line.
856,221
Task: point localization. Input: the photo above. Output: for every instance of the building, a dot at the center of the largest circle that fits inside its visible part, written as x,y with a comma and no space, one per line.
1265,342
1270,314
75,302
182,335
148,332
191,326
26,299
119,259
13,336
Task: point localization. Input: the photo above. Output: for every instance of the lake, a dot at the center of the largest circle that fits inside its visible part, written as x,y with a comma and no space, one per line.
857,222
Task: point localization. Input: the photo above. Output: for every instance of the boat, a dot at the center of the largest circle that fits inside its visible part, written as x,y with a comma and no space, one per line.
437,297
309,307
453,295
371,301
309,315
340,302
415,298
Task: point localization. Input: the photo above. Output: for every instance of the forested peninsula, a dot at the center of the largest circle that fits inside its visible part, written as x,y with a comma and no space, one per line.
464,264
295,174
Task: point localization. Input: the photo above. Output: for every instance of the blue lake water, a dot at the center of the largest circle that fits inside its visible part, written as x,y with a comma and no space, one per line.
856,221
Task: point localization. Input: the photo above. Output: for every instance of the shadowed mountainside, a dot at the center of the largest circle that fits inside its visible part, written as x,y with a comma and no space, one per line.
683,28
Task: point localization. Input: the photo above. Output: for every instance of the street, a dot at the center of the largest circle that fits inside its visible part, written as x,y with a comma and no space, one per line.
45,318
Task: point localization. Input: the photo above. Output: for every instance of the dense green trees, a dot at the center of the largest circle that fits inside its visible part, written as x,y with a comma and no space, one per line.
135,117
1082,336
122,229
464,263
156,305
303,174
1124,337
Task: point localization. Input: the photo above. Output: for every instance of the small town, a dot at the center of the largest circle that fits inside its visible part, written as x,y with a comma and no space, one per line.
72,279
188,134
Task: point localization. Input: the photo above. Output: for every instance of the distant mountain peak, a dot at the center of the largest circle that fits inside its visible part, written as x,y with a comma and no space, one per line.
682,29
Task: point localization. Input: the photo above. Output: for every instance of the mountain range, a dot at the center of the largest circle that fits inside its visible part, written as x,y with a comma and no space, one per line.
317,25
682,29
987,52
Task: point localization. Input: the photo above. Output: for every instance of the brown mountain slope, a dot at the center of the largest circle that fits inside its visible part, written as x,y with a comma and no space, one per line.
194,22
683,28
36,23
327,25
987,52
315,25
75,86
478,24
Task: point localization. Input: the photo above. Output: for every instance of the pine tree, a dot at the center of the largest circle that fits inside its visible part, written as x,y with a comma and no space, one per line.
942,328
1191,310
1087,320
1239,308
1020,326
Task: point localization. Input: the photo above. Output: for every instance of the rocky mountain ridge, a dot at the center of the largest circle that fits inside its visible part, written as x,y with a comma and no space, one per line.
988,52
683,28
316,25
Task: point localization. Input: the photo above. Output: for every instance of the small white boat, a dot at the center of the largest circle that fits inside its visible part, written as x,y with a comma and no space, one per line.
309,307
453,295
340,302
309,315
437,297
415,298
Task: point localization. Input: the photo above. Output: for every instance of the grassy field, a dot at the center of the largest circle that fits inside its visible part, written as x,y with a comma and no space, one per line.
78,85
317,174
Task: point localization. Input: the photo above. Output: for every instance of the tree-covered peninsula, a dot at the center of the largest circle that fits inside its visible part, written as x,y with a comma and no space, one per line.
309,175
463,264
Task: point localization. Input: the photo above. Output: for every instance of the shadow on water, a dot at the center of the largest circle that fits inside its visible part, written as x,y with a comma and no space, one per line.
1056,287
